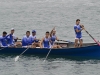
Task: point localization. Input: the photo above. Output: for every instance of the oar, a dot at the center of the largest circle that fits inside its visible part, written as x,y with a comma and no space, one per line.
92,37
17,57
66,41
50,48
19,39
3,48
47,54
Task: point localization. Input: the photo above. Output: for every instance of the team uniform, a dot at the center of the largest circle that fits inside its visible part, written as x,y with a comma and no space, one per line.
53,38
46,43
34,39
78,34
3,41
27,41
10,40
14,38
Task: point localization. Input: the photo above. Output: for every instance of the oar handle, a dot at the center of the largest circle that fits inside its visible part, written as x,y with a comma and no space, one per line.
92,37
19,39
97,42
66,41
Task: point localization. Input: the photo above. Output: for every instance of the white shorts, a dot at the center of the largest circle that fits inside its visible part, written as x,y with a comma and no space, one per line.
3,46
48,47
37,47
12,45
78,38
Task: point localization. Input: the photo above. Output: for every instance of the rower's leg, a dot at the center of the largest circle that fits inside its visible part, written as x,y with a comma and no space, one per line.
15,46
76,43
81,42
18,44
33,45
38,45
54,46
41,46
58,46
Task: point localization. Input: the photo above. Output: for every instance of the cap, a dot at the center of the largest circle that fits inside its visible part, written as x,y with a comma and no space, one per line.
12,29
33,31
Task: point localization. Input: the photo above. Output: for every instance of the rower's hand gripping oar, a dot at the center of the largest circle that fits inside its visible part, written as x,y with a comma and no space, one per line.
92,37
17,57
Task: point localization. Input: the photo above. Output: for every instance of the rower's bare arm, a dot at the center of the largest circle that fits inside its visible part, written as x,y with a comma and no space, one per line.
53,28
57,38
41,42
78,30
50,34
52,31
82,25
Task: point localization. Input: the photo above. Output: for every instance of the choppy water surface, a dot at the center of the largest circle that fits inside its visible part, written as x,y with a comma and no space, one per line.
34,65
43,15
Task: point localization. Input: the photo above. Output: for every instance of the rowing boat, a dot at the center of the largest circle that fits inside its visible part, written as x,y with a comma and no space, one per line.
91,50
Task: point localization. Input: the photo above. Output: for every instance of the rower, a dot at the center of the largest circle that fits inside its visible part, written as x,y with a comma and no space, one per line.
3,39
35,41
12,39
53,38
45,42
78,28
27,40
15,38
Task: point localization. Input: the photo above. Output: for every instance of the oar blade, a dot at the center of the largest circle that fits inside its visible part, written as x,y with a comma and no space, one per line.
44,61
16,59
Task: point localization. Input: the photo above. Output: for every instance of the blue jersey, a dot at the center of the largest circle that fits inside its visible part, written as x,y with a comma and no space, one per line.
53,38
46,43
10,39
27,41
78,34
3,41
34,39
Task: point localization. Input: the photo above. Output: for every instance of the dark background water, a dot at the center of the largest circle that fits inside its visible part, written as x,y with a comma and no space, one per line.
43,15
